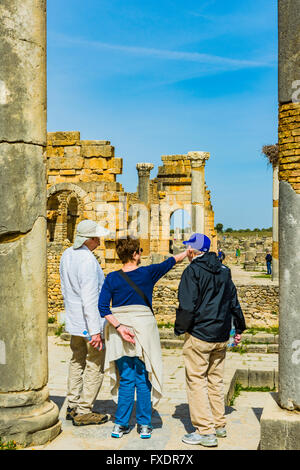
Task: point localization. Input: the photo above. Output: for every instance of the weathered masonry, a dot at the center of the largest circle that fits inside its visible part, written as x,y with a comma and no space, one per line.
82,184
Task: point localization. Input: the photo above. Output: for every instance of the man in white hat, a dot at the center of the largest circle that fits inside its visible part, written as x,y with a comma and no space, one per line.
81,282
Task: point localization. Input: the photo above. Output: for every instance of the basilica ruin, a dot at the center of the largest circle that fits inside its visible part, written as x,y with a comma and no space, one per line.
82,184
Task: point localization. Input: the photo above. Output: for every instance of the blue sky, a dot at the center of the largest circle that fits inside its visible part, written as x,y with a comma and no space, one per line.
159,77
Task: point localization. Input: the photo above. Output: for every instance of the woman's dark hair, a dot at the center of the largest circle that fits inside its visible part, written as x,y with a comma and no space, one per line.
126,247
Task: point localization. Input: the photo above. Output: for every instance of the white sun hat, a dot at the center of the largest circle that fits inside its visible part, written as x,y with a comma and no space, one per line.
88,229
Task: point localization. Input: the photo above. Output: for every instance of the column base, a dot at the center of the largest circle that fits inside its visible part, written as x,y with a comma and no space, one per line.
280,428
30,425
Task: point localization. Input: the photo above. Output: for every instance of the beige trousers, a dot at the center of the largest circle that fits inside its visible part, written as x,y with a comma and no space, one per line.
204,370
86,372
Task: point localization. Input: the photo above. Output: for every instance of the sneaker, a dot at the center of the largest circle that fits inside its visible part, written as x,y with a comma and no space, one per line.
71,413
206,440
119,430
221,432
90,418
144,431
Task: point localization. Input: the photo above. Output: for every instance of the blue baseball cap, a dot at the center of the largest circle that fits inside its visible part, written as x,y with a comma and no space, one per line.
199,242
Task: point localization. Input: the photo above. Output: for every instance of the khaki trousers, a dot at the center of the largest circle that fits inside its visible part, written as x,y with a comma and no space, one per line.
86,372
204,370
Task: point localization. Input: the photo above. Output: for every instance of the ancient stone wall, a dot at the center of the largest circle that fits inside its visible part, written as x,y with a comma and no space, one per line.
253,249
289,144
81,184
260,304
80,161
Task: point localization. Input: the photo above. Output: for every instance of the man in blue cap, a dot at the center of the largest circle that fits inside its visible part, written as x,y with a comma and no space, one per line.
208,303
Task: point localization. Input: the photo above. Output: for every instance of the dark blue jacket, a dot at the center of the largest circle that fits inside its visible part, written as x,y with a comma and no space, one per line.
208,301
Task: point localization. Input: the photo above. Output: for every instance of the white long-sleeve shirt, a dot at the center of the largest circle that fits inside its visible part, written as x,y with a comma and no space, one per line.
81,281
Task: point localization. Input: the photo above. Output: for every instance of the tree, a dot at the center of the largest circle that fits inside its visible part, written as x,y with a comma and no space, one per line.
229,230
219,228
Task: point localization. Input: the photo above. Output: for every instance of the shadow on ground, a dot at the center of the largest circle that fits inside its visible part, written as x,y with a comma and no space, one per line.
110,407
258,412
182,413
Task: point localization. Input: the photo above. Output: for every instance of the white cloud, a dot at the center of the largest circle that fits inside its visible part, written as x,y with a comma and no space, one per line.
224,63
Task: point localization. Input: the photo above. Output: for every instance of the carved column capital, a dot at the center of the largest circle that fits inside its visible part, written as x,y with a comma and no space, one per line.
198,159
144,168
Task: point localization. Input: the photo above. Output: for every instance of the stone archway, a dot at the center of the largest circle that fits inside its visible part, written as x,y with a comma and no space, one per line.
180,223
65,208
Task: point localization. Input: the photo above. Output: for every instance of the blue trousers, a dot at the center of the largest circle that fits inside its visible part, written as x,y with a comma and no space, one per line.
133,375
269,269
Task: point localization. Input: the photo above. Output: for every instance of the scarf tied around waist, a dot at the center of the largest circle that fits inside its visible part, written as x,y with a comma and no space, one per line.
141,321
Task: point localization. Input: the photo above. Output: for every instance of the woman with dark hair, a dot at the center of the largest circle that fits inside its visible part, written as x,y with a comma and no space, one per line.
133,357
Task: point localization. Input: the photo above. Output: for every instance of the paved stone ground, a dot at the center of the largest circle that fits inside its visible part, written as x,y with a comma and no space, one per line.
242,277
170,419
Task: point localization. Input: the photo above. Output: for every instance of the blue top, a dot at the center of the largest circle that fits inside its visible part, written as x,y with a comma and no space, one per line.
115,288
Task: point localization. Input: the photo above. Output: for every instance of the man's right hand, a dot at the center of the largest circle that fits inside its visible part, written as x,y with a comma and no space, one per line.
96,342
237,339
126,334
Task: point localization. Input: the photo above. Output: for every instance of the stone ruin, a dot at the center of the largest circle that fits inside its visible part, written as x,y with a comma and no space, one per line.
82,184
253,250
27,415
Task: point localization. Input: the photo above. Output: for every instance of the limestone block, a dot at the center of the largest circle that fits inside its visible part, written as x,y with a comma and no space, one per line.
66,137
263,338
22,178
89,151
96,163
280,429
110,254
115,166
67,172
87,143
110,196
65,163
72,151
54,151
273,348
262,378
243,377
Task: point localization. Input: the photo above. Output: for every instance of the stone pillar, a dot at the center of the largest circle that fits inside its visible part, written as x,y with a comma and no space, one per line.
275,248
198,160
26,413
144,196
289,202
144,181
280,421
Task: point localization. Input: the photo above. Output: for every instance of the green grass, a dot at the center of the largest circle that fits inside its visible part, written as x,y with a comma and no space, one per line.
239,349
273,330
236,393
165,325
10,445
51,320
60,330
239,388
263,276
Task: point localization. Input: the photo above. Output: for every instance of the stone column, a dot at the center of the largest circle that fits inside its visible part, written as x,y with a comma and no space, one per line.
289,202
198,160
144,170
144,181
26,413
275,249
280,421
